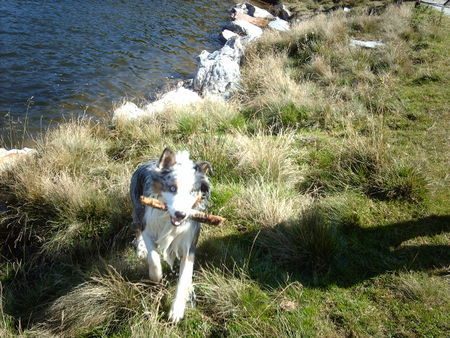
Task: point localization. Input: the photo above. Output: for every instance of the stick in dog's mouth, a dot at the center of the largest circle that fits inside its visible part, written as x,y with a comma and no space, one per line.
195,215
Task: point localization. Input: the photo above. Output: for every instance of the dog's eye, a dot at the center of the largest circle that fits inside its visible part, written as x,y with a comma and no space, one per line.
172,188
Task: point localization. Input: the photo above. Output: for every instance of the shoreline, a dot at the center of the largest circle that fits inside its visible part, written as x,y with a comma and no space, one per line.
186,92
218,73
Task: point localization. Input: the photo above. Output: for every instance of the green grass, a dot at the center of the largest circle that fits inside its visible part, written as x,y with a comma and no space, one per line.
331,168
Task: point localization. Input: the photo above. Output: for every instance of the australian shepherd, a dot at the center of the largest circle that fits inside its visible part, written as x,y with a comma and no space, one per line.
184,187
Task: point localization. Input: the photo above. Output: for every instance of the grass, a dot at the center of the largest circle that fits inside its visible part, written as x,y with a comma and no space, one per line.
331,168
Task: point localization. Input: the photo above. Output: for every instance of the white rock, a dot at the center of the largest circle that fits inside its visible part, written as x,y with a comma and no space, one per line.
279,25
258,12
346,9
177,97
10,157
226,35
366,44
242,27
282,11
219,72
128,111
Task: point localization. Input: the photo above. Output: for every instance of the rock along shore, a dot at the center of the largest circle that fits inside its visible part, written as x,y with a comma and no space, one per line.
218,74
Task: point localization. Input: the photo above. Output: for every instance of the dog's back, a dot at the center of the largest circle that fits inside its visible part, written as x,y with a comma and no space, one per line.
141,185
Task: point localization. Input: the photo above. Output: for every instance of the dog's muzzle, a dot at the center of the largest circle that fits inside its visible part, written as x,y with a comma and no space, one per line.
178,219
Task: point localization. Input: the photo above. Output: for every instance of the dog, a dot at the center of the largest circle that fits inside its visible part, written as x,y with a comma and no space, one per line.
184,187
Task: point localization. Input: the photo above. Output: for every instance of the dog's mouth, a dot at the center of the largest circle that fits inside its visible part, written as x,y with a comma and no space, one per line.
176,221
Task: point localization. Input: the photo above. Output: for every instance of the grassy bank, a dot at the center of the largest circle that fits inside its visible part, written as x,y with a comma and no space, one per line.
331,167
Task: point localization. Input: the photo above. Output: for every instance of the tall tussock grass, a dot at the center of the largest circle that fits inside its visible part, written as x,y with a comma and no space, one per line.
272,157
71,192
267,204
415,287
107,300
272,96
313,65
232,294
364,164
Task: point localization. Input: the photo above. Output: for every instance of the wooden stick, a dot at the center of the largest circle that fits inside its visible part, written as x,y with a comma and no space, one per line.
153,202
198,216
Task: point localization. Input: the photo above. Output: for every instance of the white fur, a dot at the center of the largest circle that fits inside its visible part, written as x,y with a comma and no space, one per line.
184,289
183,199
141,249
160,236
172,242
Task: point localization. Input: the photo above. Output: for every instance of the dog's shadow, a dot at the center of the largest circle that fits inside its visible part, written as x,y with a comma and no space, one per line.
360,254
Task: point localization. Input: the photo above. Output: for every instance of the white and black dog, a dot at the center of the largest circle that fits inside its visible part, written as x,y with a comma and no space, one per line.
183,186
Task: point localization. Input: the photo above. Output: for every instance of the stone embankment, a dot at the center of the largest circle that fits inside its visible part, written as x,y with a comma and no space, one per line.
218,74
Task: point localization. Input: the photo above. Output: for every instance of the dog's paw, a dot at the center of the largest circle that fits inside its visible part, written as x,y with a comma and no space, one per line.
177,312
155,275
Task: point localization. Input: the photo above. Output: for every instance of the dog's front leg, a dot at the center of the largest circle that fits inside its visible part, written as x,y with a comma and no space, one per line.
154,261
184,288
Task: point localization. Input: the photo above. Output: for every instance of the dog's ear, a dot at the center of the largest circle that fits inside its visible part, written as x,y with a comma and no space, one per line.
167,159
204,167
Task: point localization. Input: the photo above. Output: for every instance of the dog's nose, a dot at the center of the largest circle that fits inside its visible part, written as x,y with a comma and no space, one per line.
180,214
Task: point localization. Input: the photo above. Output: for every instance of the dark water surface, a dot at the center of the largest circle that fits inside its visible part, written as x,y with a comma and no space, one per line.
75,56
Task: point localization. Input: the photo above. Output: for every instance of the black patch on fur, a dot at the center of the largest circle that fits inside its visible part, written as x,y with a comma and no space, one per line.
204,167
167,159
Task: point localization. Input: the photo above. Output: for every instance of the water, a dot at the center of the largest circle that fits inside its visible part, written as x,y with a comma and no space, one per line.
82,56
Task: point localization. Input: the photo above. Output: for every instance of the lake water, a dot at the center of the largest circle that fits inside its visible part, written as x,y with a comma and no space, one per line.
82,56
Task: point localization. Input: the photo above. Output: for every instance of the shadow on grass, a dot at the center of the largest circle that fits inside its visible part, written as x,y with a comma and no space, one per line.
395,247
359,253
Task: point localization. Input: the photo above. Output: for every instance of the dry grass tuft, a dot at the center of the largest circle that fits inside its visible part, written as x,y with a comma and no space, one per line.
309,241
268,156
108,301
268,204
232,294
72,192
209,114
270,87
74,146
365,163
419,287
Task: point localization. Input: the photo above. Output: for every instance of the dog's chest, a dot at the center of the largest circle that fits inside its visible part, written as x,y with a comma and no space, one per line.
172,241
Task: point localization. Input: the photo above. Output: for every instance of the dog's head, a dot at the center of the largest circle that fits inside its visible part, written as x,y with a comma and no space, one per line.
182,184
